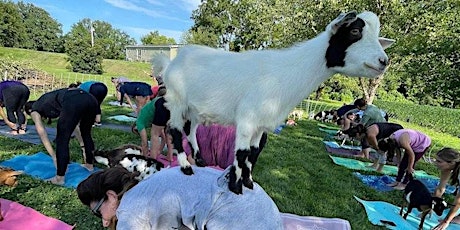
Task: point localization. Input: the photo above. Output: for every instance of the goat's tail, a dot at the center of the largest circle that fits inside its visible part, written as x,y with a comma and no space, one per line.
159,64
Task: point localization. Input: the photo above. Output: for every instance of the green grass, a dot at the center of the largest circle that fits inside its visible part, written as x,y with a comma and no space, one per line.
294,169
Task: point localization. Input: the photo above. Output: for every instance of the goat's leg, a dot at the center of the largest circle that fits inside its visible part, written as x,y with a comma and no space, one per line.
239,167
424,213
185,166
192,141
409,210
256,147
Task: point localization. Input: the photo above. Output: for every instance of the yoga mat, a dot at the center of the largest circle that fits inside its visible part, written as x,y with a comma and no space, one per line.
31,135
20,217
125,128
379,210
122,118
132,114
40,165
328,131
295,222
324,126
335,145
379,183
387,169
117,103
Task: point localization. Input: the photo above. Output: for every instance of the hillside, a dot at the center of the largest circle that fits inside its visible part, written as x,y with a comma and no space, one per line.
55,63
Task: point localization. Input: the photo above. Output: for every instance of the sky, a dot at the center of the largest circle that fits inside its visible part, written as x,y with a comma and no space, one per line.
137,18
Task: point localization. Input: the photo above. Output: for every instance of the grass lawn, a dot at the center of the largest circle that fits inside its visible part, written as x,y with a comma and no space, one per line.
294,169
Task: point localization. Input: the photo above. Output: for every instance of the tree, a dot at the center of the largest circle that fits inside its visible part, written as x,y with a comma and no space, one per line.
155,38
111,40
12,30
43,33
83,57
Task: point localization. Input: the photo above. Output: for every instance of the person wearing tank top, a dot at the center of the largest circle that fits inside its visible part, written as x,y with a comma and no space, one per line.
415,145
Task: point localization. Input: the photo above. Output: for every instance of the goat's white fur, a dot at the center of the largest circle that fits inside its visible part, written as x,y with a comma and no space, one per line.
256,90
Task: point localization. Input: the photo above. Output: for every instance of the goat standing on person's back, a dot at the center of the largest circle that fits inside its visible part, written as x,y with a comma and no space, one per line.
256,90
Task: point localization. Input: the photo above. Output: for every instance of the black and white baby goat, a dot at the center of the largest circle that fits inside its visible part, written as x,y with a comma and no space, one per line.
130,158
416,195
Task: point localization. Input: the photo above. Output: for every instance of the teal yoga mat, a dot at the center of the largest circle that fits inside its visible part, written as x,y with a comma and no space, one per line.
387,169
379,210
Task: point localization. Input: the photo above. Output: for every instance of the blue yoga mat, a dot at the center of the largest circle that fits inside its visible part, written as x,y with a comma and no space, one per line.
40,165
31,135
379,183
379,210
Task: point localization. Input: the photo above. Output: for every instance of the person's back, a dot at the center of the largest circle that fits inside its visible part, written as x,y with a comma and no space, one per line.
372,115
418,141
201,201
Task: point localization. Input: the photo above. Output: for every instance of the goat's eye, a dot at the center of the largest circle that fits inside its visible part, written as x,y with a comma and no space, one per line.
354,32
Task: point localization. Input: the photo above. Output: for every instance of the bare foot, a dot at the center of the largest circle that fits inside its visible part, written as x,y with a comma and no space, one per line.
57,180
393,184
22,131
400,186
88,167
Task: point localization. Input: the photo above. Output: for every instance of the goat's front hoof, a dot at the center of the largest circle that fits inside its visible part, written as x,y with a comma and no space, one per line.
200,162
247,182
187,170
236,187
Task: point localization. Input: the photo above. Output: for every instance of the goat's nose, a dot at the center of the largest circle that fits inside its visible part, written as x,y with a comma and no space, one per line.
383,61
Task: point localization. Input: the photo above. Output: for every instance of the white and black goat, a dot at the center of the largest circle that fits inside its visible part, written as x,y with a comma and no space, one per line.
256,90
416,195
129,157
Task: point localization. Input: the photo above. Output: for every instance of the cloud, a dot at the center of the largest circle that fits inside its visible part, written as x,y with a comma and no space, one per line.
127,5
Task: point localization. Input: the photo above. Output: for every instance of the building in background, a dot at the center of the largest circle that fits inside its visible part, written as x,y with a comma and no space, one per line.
144,53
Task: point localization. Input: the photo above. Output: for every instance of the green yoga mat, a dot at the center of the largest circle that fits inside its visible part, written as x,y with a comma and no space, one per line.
324,126
387,169
328,131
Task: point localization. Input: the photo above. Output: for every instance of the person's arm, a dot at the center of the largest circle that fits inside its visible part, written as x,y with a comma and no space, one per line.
372,133
404,142
144,142
155,148
36,117
441,188
80,140
5,119
452,212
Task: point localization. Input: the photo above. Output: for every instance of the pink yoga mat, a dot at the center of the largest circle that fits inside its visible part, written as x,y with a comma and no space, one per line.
20,217
295,222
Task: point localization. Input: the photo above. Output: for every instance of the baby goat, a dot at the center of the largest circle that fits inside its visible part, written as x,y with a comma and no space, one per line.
256,90
8,177
416,195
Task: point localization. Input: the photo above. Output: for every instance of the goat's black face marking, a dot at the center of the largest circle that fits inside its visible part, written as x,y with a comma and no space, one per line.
340,41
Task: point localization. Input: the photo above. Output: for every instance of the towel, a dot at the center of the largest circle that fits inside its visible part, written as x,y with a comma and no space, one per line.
295,222
40,165
20,217
387,169
123,118
31,135
379,183
379,210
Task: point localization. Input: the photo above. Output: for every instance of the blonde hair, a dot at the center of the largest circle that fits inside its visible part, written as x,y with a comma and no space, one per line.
451,155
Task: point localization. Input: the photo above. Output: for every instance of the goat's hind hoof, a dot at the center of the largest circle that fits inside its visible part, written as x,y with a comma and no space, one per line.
200,163
187,170
248,183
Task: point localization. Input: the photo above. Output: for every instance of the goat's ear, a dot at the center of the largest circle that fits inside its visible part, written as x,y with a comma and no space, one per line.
342,19
386,42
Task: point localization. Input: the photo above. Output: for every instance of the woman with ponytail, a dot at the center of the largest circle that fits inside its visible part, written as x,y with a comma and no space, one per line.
448,162
415,145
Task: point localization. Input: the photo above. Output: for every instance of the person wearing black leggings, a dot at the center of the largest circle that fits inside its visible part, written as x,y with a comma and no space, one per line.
72,106
140,91
13,96
99,91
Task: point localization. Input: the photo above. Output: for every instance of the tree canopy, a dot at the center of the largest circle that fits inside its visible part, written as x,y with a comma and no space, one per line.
155,38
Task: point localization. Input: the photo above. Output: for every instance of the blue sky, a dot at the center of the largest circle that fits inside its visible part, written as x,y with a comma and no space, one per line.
135,17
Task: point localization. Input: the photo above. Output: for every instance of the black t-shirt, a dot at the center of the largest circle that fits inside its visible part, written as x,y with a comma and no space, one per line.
49,104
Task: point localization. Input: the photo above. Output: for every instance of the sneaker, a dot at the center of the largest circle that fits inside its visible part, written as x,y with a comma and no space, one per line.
97,124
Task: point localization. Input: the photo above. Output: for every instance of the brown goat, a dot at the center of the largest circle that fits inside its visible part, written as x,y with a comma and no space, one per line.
8,177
